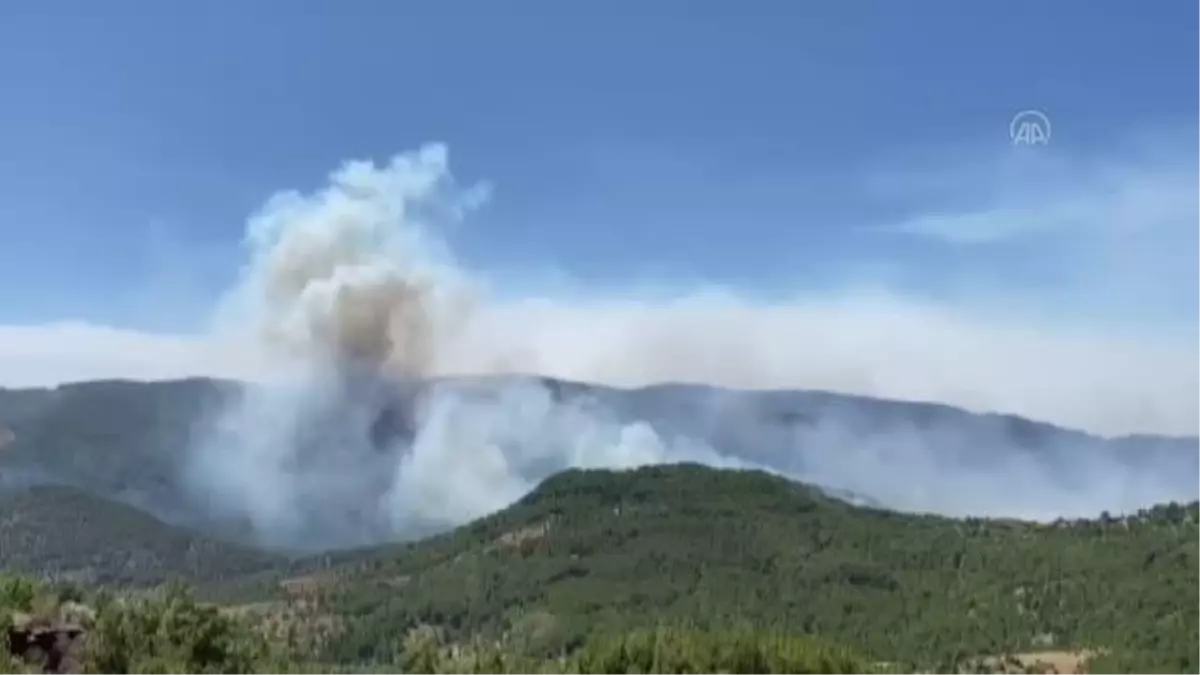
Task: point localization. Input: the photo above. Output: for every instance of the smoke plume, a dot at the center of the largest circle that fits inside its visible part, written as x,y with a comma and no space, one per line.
357,435
348,290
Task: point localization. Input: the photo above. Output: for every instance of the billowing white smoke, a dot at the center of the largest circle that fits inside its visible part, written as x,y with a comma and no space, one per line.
351,297
351,274
349,294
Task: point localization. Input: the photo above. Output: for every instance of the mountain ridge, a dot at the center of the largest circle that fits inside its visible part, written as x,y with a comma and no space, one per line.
129,440
228,385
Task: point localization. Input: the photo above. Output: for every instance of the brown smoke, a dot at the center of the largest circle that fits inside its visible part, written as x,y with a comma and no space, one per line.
347,275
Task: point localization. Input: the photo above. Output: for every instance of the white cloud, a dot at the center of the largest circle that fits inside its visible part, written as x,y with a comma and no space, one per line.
49,354
1025,192
874,344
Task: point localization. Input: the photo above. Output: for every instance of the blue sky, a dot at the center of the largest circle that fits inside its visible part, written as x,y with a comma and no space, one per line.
770,148
673,141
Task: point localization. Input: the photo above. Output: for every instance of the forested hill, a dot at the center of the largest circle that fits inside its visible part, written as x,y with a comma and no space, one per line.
591,552
63,534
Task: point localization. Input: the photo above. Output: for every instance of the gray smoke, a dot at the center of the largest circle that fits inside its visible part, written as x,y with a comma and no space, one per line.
349,291
354,304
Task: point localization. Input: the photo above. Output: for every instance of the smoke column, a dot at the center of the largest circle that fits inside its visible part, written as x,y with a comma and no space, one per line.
349,292
351,298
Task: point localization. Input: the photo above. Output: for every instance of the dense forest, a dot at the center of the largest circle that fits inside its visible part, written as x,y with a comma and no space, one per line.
676,569
168,630
599,551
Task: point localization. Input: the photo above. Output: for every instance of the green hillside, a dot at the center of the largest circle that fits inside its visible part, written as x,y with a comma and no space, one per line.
167,630
109,436
596,552
663,569
65,534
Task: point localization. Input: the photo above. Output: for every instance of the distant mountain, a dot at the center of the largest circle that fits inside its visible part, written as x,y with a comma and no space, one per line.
65,534
118,440
129,441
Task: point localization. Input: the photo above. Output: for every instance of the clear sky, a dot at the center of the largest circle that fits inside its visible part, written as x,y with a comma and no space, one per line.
773,149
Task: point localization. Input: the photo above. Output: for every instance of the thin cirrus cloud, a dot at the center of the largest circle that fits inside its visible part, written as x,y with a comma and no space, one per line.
1112,236
1146,185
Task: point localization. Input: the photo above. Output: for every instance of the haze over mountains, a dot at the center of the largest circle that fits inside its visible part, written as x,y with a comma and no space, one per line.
356,312
385,462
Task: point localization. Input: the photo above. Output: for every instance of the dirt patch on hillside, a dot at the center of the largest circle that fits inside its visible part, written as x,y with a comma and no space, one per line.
253,609
307,585
1062,662
520,538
